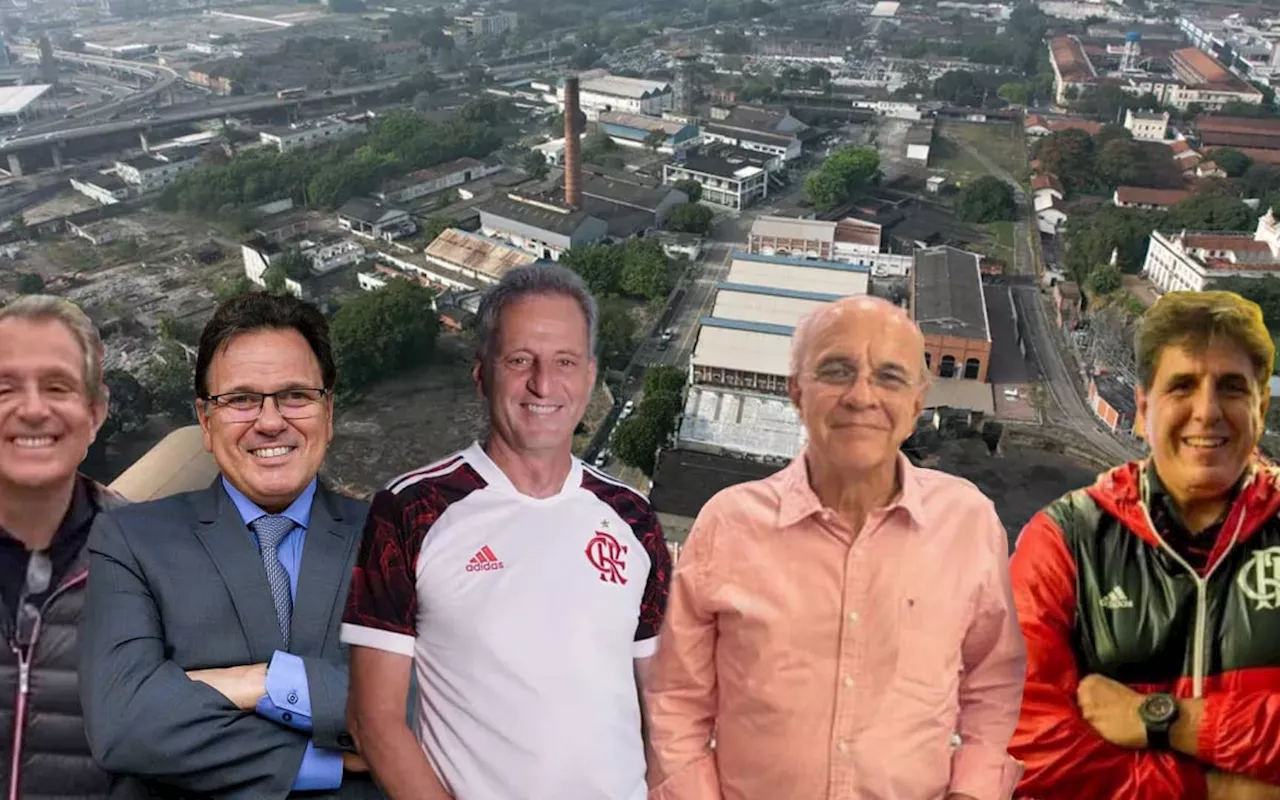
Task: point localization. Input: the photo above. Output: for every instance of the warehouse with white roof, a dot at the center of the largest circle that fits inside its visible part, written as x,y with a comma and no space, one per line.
803,274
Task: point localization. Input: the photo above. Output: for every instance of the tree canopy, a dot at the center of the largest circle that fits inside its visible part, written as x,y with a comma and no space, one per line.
378,334
327,177
689,218
637,268
841,175
987,199
691,188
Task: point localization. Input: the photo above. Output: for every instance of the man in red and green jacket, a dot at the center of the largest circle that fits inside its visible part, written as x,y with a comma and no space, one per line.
1150,601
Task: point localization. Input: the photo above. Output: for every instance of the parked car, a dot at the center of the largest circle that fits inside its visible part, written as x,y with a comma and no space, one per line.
627,408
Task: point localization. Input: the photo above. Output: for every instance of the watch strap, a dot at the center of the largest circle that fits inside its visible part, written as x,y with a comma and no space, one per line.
1158,737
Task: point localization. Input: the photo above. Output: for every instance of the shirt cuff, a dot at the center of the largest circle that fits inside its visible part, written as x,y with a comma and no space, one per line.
320,770
984,773
288,697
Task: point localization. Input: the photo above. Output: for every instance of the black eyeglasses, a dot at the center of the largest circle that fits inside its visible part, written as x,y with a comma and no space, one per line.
291,403
39,576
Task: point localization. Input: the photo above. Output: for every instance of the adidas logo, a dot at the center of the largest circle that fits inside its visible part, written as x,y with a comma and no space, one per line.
483,561
1115,599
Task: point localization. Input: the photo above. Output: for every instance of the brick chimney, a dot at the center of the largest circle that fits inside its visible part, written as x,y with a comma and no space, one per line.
572,144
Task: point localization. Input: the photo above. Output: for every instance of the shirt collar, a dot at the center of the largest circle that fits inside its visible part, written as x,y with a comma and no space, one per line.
299,510
797,500
1157,496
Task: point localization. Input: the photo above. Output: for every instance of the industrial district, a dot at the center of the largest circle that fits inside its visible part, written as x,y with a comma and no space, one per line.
1024,178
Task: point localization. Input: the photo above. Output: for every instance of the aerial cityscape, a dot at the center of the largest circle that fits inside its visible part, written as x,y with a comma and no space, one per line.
1025,179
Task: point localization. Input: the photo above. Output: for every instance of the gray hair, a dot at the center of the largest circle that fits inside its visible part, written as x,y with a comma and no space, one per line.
47,308
528,281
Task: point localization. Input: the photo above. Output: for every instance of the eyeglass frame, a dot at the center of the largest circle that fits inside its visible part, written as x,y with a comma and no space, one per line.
214,400
27,619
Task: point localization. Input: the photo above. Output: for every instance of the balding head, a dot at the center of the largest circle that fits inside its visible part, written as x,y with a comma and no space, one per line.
863,311
858,379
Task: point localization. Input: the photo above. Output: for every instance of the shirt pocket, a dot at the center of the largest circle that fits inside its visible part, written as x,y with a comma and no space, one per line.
931,630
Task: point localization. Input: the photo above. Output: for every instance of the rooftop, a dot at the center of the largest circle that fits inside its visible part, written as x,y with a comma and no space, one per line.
1045,181
791,228
796,261
856,231
1198,68
142,163
919,134
103,180
1223,124
432,173
747,288
685,480
542,216
947,294
1141,195
477,253
720,166
751,135
364,209
747,326
633,88
14,99
1070,59
647,198
1116,393
641,122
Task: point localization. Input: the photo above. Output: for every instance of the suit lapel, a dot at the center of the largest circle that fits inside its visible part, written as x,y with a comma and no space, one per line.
324,574
235,555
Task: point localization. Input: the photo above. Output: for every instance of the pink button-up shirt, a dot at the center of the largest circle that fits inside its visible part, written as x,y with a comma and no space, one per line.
833,664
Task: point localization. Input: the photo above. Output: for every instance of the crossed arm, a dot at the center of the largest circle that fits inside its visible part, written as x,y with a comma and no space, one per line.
144,716
1081,736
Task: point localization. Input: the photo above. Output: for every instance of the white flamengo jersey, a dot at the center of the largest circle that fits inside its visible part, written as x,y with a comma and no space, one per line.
523,617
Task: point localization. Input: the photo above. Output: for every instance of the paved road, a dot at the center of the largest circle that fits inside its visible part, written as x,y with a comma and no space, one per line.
696,303
1044,341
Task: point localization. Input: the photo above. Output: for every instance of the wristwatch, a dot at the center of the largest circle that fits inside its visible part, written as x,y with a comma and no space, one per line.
1158,713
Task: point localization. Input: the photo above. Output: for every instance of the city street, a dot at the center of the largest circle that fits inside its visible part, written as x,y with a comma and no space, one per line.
696,302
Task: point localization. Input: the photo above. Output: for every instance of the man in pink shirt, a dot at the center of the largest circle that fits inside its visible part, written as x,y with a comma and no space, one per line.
844,629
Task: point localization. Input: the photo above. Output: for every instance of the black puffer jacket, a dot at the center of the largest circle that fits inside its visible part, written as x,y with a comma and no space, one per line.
45,755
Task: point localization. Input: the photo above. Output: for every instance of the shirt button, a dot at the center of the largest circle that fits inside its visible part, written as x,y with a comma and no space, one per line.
848,681
842,746
853,616
287,717
293,697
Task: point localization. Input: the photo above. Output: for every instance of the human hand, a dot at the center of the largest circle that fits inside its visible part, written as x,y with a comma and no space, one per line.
1229,786
353,763
1112,709
242,686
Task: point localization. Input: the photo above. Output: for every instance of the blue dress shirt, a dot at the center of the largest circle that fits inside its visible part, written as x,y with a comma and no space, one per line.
288,697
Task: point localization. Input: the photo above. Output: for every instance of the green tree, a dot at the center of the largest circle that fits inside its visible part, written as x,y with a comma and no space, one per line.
1014,93
1232,161
844,172
655,140
274,279
645,270
434,226
987,199
692,189
637,439
615,332
378,334
1105,279
1210,210
226,288
689,218
128,405
1091,238
660,379
168,379
599,265
1069,155
30,283
295,265
534,164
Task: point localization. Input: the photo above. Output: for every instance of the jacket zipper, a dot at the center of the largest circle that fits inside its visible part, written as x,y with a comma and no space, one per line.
24,684
1202,598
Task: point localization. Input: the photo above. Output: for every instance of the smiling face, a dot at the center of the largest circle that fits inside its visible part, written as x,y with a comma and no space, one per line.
859,385
1202,417
539,374
47,419
270,459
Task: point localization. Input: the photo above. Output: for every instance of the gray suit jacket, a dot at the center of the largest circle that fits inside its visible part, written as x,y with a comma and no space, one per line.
176,585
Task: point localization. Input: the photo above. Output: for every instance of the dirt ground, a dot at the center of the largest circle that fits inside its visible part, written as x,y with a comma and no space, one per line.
411,421
1020,481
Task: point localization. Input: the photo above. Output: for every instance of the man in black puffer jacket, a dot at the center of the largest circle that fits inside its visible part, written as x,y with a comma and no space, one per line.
52,403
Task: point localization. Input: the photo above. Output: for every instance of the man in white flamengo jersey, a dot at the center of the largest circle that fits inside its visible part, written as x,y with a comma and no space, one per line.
525,588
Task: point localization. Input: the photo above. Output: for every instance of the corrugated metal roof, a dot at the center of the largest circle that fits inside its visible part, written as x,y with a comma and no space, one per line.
477,253
796,294
746,325
790,261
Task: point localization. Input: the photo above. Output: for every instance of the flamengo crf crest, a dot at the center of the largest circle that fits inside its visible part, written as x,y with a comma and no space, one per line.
1259,579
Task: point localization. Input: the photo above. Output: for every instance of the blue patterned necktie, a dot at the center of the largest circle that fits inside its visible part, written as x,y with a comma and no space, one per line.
271,530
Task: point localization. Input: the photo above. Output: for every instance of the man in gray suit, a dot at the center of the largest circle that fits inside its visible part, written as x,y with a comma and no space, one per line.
210,659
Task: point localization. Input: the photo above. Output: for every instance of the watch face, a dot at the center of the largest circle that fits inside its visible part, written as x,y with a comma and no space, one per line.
1159,706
